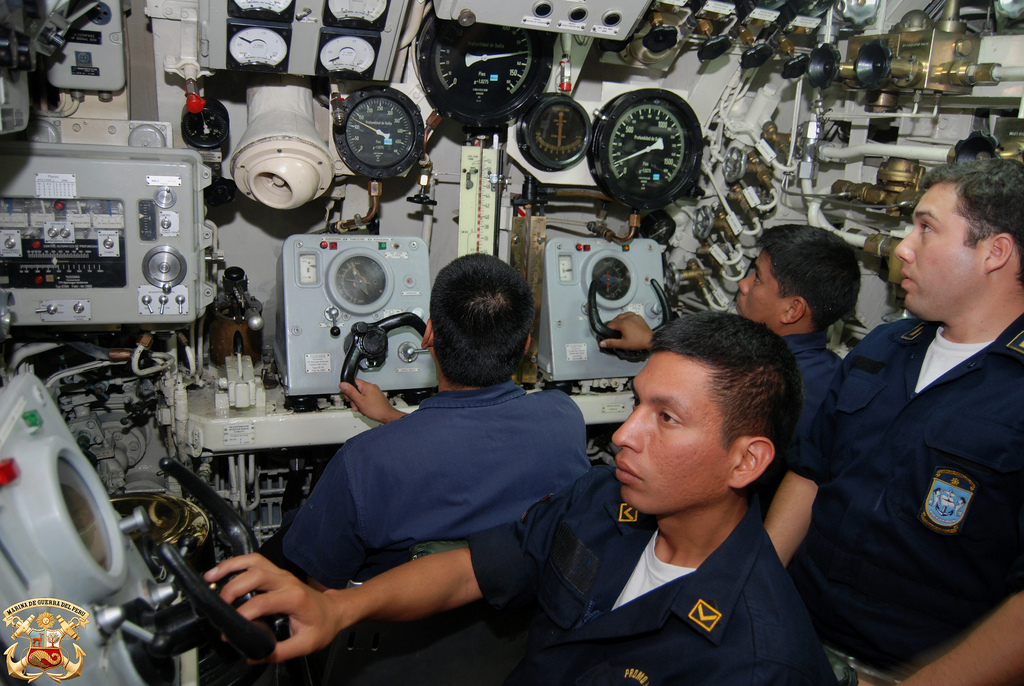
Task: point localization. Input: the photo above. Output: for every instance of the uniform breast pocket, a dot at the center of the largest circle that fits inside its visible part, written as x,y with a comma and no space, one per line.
965,482
857,391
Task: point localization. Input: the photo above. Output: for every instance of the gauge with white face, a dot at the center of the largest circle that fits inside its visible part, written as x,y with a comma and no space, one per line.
258,45
276,6
347,53
364,10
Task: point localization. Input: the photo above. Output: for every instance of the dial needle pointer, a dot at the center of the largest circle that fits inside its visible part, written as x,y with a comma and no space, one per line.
656,145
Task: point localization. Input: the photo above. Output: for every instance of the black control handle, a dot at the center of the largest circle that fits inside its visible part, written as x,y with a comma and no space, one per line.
603,332
369,342
252,639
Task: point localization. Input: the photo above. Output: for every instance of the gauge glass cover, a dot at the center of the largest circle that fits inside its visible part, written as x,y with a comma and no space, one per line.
347,53
647,148
84,513
258,46
360,282
365,10
555,133
207,128
382,132
613,278
482,75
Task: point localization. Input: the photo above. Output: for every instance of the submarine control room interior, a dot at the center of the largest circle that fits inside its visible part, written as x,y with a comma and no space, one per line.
212,212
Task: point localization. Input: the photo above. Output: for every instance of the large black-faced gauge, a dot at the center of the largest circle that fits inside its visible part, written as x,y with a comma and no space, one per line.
347,53
647,148
360,283
555,133
368,14
380,132
267,10
613,279
482,75
258,46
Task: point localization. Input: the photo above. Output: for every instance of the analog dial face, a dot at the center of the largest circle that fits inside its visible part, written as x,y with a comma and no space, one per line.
366,10
207,128
360,280
647,148
258,45
347,53
276,6
382,134
555,133
613,278
481,75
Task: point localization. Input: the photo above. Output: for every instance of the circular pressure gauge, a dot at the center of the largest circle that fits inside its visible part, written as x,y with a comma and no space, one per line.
367,11
270,10
381,132
346,53
554,133
360,283
206,129
258,47
613,278
481,75
646,149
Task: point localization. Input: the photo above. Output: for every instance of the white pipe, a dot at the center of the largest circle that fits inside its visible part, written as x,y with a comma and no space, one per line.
427,232
28,350
1001,73
71,371
925,153
816,218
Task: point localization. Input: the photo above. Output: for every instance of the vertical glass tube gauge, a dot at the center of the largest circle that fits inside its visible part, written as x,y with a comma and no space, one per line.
554,133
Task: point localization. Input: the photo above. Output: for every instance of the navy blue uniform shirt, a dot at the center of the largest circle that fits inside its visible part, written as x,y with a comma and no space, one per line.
462,462
817,366
917,526
735,620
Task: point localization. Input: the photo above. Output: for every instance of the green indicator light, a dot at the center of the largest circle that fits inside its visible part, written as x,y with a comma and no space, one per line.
383,245
33,420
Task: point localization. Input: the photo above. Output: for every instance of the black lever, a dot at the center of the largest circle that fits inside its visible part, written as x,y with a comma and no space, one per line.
603,332
368,347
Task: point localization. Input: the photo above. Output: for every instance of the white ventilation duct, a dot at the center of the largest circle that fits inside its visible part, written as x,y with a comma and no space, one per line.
281,159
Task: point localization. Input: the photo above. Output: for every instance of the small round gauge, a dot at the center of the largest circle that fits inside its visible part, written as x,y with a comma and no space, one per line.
364,10
647,148
259,47
613,278
346,53
381,132
554,133
360,282
273,10
207,128
482,75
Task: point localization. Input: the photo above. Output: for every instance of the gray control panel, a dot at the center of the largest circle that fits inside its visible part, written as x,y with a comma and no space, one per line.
568,349
93,235
611,19
330,282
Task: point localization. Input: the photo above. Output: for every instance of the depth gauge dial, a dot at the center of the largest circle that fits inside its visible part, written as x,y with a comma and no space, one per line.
482,75
647,148
380,134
